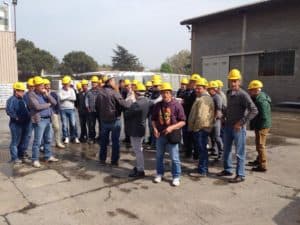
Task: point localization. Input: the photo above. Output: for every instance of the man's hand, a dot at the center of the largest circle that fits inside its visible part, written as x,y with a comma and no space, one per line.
156,133
237,126
168,130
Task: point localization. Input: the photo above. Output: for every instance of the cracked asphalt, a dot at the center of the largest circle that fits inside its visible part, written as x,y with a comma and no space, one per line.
77,190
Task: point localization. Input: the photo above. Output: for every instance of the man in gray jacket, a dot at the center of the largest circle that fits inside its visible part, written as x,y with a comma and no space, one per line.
240,109
135,118
109,105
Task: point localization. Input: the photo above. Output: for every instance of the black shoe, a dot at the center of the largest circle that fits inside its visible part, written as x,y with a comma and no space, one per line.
102,162
83,140
91,141
237,179
259,169
224,173
137,174
195,157
114,163
253,163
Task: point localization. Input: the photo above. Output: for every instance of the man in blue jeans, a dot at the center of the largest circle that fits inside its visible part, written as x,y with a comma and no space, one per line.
17,110
240,109
67,98
40,104
109,105
201,121
167,117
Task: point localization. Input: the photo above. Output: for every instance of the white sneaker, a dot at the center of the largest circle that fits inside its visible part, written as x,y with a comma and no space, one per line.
176,182
52,159
66,140
36,164
158,179
77,141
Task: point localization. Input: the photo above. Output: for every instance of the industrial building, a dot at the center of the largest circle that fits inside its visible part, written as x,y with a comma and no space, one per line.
260,39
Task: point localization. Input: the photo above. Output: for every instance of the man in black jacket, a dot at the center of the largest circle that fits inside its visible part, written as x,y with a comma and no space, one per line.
135,118
109,105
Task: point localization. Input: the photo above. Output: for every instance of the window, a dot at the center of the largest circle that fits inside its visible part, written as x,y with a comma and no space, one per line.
281,63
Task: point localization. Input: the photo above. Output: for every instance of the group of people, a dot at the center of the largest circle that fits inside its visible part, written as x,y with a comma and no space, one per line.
199,112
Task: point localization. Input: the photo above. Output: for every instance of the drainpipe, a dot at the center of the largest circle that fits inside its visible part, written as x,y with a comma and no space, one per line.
244,39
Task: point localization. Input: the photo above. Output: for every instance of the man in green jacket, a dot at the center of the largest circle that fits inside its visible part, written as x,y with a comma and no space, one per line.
261,124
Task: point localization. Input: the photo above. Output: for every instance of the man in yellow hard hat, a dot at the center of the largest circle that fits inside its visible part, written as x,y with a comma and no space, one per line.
135,127
183,85
261,124
40,104
55,115
67,98
155,98
189,98
148,86
240,109
218,116
90,101
167,120
221,93
18,112
83,111
200,122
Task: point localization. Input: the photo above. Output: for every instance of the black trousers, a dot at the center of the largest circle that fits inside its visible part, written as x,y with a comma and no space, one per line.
92,119
83,118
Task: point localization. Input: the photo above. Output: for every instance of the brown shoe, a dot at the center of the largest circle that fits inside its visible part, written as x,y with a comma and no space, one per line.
237,179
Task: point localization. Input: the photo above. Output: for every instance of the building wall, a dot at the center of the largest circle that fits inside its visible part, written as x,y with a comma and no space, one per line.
8,58
272,29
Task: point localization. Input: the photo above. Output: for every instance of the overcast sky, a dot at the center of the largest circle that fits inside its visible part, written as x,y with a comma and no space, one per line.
147,28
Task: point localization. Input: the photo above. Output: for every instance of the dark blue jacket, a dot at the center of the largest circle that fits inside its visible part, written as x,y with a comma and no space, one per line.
17,110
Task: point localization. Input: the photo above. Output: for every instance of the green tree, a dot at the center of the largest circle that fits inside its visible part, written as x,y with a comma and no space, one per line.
166,68
125,61
180,62
77,62
32,60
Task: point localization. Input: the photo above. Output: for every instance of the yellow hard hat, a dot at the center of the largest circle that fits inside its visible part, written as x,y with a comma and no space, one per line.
140,87
78,86
105,78
202,82
156,82
95,79
46,81
255,84
84,82
127,82
135,82
19,86
234,74
66,80
166,87
195,77
184,81
30,82
213,84
156,77
37,80
148,84
220,83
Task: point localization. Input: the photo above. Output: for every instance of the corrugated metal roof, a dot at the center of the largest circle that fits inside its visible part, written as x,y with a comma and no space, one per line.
230,11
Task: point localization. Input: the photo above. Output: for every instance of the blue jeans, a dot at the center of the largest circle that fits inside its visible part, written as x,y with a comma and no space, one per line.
19,140
42,134
162,146
68,117
239,138
201,140
115,129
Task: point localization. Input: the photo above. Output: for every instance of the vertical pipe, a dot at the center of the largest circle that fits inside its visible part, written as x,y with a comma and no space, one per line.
244,39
